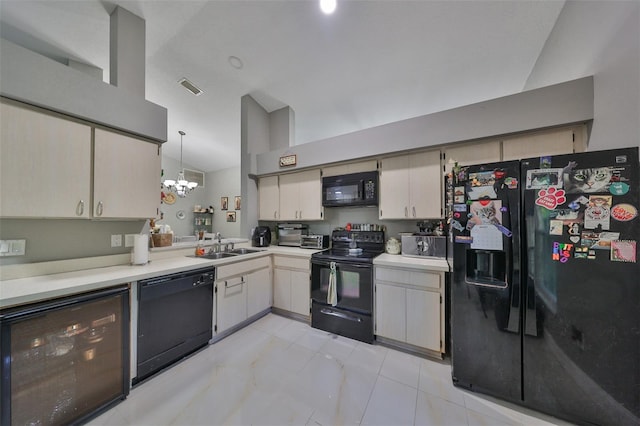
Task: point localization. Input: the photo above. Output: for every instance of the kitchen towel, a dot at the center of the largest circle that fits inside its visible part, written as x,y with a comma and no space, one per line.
332,293
140,252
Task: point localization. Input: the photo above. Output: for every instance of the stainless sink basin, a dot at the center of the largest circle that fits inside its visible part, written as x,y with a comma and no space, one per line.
244,251
216,255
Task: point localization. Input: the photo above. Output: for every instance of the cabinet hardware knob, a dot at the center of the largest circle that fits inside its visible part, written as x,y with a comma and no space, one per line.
99,208
80,208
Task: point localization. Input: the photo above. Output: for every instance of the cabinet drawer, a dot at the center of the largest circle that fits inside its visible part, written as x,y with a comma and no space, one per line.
410,277
243,267
291,262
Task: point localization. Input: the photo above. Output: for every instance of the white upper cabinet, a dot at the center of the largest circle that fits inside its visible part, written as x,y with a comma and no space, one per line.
126,177
550,142
269,198
45,165
47,169
410,186
345,169
472,153
301,196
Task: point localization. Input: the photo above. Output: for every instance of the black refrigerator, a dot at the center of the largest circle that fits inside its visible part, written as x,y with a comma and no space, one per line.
545,296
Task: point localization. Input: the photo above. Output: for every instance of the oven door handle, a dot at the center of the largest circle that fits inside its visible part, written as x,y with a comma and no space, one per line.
340,264
340,315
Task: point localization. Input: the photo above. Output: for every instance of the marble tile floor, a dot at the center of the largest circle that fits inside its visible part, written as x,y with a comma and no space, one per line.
279,371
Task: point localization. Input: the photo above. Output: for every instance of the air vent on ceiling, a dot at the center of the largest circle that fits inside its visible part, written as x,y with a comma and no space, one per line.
190,86
194,176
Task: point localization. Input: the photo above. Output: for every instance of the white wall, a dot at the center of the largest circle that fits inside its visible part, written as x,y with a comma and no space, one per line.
599,38
225,183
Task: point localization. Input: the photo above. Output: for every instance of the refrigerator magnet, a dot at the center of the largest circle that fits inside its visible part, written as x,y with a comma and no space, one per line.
555,227
482,179
619,188
543,178
550,198
573,228
624,212
623,251
511,182
460,208
545,162
561,252
463,239
597,216
457,225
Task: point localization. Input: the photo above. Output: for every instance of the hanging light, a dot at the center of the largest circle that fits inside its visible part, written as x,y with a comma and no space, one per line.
180,185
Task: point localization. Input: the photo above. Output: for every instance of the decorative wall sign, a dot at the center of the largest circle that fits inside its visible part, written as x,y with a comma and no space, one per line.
224,203
288,160
237,202
231,216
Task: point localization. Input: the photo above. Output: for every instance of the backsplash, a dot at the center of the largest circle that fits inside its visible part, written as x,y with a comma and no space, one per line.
340,216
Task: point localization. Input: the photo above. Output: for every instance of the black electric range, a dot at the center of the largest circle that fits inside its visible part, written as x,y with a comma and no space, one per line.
368,245
342,284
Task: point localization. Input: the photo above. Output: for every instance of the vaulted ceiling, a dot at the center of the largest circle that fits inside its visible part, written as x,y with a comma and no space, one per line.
370,63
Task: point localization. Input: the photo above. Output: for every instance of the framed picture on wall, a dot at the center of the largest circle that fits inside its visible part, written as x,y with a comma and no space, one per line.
231,216
224,203
237,202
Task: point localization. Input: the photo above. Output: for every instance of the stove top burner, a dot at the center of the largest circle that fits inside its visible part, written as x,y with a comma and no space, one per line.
369,244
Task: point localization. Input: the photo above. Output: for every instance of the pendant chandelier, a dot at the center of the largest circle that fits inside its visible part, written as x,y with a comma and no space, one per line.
180,186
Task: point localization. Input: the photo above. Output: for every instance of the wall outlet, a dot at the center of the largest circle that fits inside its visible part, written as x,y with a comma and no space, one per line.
13,247
129,240
116,240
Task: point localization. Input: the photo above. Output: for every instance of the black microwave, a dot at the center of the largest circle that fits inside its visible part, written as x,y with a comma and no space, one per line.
356,189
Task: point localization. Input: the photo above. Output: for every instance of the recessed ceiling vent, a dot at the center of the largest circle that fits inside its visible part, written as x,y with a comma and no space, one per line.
190,86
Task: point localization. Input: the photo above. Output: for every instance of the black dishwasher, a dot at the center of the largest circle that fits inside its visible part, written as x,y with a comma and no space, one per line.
175,313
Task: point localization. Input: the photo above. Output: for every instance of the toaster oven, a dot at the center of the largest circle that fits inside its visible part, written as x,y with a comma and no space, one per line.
314,241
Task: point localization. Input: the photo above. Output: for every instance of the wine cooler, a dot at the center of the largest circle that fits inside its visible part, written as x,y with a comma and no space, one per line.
66,360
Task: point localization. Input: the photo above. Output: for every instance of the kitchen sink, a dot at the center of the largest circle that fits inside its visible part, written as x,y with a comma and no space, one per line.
244,251
215,255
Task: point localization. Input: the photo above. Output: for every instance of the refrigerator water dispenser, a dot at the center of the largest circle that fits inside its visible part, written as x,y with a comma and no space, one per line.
486,268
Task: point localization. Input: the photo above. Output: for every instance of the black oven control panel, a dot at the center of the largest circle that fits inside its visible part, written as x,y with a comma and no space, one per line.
374,239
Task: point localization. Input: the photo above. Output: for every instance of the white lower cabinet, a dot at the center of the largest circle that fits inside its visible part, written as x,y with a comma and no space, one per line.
409,307
259,292
243,289
291,285
231,301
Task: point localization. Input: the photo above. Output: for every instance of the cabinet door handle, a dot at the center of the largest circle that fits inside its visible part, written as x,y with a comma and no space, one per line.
99,208
80,208
275,214
226,283
406,211
414,211
300,215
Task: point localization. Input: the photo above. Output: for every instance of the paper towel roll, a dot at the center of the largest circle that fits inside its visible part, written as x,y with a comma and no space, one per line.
140,253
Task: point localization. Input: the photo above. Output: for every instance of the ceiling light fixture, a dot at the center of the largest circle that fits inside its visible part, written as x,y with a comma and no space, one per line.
180,186
328,6
235,62
190,86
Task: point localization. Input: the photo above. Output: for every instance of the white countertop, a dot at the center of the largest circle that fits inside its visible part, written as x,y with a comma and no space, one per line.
43,287
432,264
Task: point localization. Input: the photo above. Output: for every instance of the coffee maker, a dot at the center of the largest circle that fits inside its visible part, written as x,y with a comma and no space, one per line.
261,236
